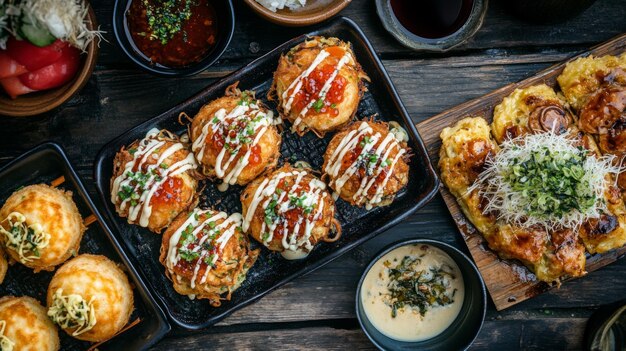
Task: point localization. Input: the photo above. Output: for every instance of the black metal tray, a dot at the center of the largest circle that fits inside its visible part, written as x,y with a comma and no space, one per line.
271,270
43,164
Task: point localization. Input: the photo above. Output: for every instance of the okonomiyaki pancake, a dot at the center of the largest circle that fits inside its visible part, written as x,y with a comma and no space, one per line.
289,211
466,147
534,109
235,138
40,226
24,325
90,298
318,85
206,254
153,180
366,164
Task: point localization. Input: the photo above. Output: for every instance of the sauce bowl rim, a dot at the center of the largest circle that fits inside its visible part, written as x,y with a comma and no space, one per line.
443,246
124,41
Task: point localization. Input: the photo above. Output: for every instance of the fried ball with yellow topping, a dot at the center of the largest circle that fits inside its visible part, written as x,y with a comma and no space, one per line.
25,326
235,138
289,211
90,298
535,109
366,163
40,226
206,254
318,84
154,179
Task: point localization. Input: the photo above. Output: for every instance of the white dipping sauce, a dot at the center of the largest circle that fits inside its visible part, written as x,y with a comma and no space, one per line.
409,324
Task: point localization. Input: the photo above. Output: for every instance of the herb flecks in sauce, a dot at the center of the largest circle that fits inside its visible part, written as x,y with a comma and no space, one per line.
411,287
26,240
173,33
72,311
165,19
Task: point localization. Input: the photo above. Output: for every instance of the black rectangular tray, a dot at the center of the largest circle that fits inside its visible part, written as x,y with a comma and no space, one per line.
271,270
43,164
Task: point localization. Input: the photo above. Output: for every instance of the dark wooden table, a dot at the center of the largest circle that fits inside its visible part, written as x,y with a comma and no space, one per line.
317,311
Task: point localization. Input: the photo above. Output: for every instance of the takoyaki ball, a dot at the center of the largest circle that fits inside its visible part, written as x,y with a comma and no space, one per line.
366,164
40,226
235,138
90,298
206,254
318,84
4,265
154,179
585,76
536,109
289,211
24,326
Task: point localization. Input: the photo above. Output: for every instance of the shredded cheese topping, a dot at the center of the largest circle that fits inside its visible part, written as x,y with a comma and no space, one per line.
72,311
545,180
6,344
26,240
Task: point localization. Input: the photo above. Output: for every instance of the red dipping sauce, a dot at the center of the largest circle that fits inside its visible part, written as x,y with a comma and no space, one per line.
172,33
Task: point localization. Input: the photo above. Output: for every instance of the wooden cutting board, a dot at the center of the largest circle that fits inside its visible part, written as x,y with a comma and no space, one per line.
509,282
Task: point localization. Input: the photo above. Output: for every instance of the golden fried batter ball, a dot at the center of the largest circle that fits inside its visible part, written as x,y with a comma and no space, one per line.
154,179
4,265
41,226
235,138
318,84
206,254
96,292
585,75
289,211
25,326
366,164
534,109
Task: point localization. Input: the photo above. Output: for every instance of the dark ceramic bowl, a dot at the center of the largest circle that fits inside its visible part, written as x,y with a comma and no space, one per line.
225,18
462,332
415,42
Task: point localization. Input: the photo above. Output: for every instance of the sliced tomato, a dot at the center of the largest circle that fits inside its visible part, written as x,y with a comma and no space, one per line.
9,67
14,87
33,57
56,74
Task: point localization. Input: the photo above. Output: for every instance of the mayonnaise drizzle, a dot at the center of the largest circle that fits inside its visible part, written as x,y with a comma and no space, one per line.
382,153
296,85
218,235
313,198
149,147
257,122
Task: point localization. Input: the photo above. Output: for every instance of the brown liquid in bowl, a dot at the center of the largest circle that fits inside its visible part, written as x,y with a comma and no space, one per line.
432,19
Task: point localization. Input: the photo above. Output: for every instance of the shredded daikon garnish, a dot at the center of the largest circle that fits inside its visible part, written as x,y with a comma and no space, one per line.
6,344
65,20
26,240
545,180
72,311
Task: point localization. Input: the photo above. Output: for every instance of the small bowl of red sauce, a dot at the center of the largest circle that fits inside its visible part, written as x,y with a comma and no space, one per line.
173,37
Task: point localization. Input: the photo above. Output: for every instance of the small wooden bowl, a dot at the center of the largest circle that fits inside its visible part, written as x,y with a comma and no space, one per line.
314,12
44,101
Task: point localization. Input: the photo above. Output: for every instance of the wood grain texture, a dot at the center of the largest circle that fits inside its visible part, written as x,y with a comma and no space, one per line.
508,281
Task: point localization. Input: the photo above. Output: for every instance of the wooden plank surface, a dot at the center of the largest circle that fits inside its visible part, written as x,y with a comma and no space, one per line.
317,311
509,282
